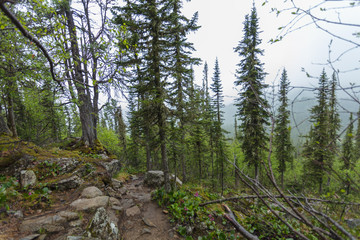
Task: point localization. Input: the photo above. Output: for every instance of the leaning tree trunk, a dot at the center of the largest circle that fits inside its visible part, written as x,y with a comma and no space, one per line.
84,100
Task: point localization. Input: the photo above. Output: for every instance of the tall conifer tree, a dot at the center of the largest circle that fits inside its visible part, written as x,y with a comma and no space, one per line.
348,152
180,67
251,103
357,138
217,105
317,146
282,141
334,119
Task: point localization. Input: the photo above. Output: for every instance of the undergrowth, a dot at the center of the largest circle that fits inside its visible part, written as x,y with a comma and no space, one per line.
193,221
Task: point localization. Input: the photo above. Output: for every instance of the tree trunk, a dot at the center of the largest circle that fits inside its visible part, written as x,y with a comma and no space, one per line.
11,116
84,101
10,105
4,129
182,150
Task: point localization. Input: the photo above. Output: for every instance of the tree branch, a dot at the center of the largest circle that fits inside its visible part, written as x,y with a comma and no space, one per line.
229,215
29,36
276,196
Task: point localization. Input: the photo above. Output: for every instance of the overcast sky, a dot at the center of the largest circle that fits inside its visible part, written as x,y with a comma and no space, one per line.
221,24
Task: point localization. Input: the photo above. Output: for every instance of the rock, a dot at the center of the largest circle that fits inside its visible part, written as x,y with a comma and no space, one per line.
27,178
50,224
112,167
156,179
116,183
67,165
68,183
70,216
75,223
132,211
91,192
19,214
145,231
114,202
85,204
134,177
117,208
15,168
148,222
127,203
30,237
353,223
101,226
189,230
80,238
42,237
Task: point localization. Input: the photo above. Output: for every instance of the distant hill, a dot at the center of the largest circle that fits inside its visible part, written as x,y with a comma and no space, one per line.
300,106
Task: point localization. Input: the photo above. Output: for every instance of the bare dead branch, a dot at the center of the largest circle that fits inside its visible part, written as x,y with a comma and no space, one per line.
229,215
238,198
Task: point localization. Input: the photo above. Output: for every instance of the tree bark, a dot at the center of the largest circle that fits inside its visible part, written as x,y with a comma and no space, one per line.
4,129
229,215
84,100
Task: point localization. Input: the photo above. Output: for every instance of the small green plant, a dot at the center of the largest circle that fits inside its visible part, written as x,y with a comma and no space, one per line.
48,169
39,197
8,186
89,168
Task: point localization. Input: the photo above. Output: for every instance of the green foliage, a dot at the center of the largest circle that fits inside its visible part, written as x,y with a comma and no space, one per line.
282,142
184,209
110,140
47,169
8,190
317,145
251,102
37,198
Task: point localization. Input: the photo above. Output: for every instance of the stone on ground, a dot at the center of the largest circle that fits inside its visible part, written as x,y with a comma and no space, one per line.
27,178
91,192
101,227
84,204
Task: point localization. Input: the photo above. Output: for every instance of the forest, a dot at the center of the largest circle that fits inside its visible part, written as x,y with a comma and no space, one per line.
119,75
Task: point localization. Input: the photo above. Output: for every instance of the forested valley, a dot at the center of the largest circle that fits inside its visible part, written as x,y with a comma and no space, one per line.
92,80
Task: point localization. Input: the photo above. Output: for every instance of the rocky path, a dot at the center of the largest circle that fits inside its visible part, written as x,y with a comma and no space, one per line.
142,218
124,211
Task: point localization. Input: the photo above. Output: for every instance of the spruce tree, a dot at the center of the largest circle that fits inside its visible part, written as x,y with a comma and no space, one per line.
180,67
251,103
282,140
217,105
348,152
357,138
317,147
334,119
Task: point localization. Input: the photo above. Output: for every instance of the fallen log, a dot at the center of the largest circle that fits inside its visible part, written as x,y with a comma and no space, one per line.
277,196
229,215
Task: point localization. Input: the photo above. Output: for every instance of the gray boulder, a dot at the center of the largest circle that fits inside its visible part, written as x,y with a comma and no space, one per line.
156,179
50,224
112,167
85,204
67,165
91,192
102,227
67,183
27,178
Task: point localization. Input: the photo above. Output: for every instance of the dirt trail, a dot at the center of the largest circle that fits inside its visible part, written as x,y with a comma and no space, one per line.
143,218
138,216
